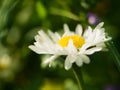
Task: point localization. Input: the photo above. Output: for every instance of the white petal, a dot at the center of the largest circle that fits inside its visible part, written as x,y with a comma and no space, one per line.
36,49
50,60
60,51
92,50
51,34
104,48
107,39
68,63
67,31
71,58
71,48
85,58
87,32
37,38
84,47
79,29
66,28
44,37
101,45
43,48
79,61
99,25
55,36
32,47
98,35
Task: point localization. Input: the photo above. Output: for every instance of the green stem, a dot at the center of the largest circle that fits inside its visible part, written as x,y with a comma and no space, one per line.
79,79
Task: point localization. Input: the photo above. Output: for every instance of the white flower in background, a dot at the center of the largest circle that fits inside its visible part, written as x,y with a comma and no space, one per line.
75,45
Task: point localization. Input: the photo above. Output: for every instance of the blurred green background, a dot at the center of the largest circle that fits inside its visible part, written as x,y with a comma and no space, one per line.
22,69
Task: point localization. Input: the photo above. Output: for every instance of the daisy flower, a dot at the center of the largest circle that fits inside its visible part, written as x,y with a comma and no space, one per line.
74,45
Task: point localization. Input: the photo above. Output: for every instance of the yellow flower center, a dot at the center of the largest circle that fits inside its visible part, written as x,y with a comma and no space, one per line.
78,41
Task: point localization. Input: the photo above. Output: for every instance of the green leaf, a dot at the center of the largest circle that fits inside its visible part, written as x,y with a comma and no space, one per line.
115,53
64,13
41,10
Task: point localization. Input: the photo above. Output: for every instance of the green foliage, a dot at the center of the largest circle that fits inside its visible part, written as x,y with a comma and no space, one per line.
41,10
20,68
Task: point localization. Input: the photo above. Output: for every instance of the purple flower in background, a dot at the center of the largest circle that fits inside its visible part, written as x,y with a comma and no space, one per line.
93,19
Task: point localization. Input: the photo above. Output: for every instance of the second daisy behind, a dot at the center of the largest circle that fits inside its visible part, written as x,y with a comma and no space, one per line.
75,45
